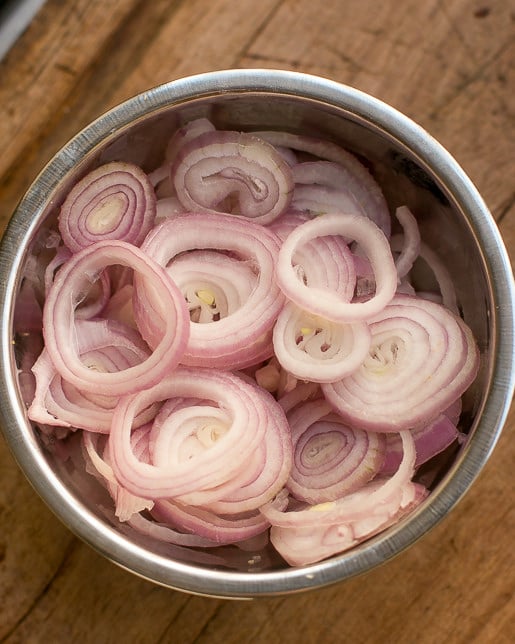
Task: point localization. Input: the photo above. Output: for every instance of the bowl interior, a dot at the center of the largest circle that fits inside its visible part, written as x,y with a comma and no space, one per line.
406,178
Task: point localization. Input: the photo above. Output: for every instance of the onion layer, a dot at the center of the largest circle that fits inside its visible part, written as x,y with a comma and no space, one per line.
59,328
324,302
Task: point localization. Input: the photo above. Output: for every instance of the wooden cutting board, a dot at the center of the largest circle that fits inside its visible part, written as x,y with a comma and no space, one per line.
447,64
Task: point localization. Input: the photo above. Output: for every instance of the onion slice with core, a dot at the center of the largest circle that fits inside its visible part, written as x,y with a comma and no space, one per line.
422,357
331,459
316,349
232,418
244,336
114,201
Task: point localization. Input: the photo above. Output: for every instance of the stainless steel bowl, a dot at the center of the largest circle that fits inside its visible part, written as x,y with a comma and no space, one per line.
412,169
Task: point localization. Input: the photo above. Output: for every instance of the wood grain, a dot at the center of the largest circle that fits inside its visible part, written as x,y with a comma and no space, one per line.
447,64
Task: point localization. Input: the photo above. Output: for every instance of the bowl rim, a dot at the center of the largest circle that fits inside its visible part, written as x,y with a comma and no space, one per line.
230,584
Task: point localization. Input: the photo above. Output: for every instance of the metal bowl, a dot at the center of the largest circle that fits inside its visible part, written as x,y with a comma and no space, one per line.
412,168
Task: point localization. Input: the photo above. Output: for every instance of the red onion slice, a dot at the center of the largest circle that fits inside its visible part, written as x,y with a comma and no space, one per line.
430,440
308,535
325,262
324,302
218,166
331,459
103,347
59,329
128,507
244,337
422,357
312,348
343,192
442,276
207,445
115,201
268,469
185,134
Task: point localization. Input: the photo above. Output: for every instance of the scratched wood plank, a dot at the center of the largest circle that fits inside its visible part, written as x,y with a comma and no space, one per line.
41,71
156,42
448,65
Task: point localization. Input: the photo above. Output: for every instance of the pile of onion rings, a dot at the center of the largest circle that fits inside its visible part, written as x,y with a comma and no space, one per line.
237,338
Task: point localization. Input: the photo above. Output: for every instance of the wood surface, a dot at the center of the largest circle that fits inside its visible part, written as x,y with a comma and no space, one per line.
448,64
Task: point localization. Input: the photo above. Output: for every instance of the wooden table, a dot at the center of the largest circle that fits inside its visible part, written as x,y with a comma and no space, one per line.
449,64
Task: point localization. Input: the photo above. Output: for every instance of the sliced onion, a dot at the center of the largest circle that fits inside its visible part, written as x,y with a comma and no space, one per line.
330,458
166,534
61,256
309,534
267,470
60,332
323,262
442,276
167,203
430,439
128,507
312,348
114,201
344,192
103,347
186,133
244,337
126,504
208,525
324,302
220,165
230,427
411,241
422,357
